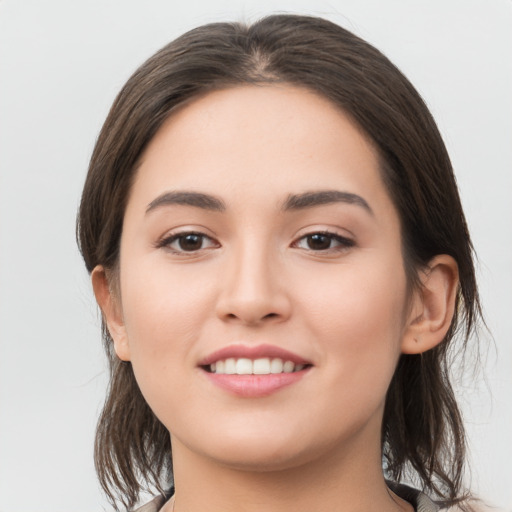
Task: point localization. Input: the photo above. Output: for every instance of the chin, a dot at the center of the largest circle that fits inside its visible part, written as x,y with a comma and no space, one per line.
262,450
261,458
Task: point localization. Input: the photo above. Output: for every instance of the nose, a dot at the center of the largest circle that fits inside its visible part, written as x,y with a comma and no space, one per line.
253,288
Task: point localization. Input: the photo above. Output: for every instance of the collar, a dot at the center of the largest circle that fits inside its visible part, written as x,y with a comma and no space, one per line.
420,501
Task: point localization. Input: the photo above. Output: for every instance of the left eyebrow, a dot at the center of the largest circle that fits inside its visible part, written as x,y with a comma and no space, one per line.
196,199
323,197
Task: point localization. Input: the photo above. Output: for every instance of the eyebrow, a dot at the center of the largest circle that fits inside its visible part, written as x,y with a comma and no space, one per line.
322,197
197,199
293,202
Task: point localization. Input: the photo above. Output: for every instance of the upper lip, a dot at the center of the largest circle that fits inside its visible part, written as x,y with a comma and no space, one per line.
238,351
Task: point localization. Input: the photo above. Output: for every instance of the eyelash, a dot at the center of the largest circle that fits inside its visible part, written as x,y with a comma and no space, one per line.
343,243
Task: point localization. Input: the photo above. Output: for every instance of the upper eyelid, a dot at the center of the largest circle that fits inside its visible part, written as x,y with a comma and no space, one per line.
186,230
330,231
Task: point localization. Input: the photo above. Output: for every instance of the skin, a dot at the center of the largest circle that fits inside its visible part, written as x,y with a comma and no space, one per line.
255,278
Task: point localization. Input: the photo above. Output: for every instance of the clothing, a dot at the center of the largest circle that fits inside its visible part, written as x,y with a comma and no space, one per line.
153,506
421,502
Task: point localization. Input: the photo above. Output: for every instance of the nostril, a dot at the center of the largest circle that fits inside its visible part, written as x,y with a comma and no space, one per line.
253,308
268,316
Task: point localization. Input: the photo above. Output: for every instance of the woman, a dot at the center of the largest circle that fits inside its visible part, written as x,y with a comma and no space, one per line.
279,251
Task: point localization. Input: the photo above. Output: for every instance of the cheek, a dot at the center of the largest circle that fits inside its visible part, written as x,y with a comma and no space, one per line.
161,306
357,297
163,314
356,315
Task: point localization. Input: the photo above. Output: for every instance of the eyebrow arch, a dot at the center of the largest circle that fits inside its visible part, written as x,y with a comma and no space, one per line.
196,199
321,197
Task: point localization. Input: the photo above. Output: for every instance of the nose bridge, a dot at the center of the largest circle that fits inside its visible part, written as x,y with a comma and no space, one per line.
252,290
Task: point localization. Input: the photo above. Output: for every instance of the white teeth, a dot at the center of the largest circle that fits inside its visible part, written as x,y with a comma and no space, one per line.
288,367
230,366
262,366
276,366
243,366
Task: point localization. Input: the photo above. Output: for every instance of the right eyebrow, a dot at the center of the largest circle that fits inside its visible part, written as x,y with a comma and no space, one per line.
196,199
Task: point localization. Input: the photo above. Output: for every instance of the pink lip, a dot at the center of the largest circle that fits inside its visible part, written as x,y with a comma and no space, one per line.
252,352
255,386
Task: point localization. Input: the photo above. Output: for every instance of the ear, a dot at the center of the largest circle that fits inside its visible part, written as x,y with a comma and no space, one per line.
111,310
433,306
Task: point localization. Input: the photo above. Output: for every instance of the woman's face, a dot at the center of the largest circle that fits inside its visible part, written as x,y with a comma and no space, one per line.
259,238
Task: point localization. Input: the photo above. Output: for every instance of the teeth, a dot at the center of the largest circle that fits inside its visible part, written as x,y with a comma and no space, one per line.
263,366
276,366
243,367
230,366
288,367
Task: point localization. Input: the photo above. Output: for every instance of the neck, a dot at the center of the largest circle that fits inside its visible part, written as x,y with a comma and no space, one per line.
347,482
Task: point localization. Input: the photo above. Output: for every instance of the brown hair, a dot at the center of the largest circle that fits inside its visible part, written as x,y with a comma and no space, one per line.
422,432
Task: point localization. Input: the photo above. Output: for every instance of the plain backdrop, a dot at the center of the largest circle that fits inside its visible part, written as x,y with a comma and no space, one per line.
62,63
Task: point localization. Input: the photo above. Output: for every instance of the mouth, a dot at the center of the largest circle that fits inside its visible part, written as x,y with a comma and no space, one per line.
254,371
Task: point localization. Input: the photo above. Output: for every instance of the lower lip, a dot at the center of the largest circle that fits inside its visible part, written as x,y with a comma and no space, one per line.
253,386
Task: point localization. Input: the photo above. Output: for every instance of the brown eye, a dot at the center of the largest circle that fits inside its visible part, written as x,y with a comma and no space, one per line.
319,242
188,242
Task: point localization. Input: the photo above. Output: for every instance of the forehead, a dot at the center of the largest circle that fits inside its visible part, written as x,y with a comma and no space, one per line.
261,109
258,143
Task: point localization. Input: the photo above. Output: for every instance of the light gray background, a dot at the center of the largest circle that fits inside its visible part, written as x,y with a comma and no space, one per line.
61,64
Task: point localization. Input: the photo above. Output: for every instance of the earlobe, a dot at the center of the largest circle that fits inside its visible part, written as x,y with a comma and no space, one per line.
433,306
111,311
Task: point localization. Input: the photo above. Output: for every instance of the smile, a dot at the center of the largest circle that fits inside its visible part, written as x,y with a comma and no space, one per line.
261,366
252,371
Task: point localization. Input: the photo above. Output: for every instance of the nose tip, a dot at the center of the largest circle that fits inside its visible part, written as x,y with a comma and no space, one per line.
251,295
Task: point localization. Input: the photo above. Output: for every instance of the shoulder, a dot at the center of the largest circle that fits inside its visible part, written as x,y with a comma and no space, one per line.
477,505
153,506
422,503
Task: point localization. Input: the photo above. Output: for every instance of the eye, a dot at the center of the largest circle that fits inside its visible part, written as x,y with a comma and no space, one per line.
188,242
324,241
